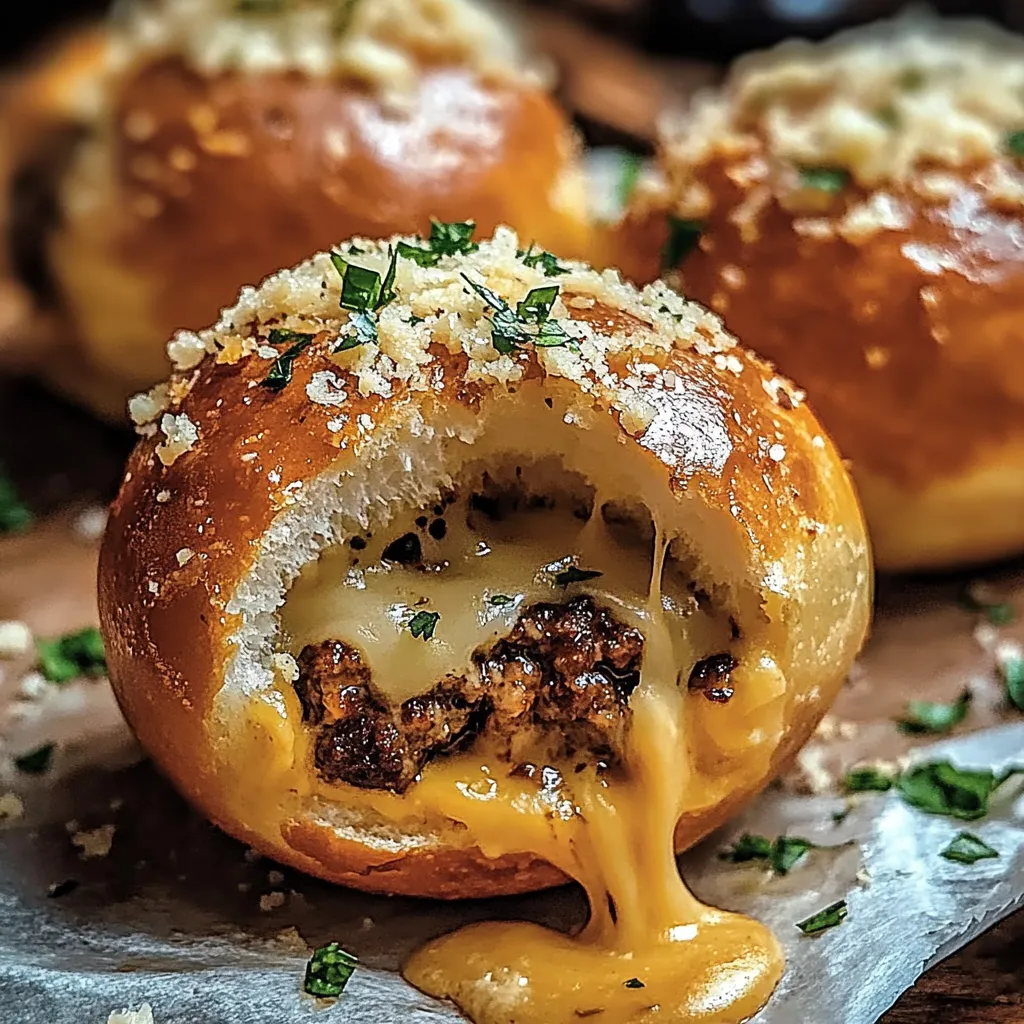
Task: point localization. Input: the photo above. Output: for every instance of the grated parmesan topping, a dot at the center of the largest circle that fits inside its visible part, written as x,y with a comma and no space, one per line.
380,42
435,305
883,103
143,1015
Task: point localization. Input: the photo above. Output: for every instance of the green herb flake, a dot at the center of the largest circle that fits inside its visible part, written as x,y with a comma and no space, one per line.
283,367
423,624
1012,672
446,239
259,6
782,854
541,260
634,983
536,307
867,779
500,600
363,332
834,914
939,787
36,762
923,716
683,236
748,847
14,514
967,848
999,613
630,166
71,656
824,179
328,971
575,575
1015,143
911,79
529,322
360,286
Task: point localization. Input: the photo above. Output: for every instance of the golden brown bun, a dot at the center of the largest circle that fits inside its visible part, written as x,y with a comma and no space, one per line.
707,436
195,181
897,304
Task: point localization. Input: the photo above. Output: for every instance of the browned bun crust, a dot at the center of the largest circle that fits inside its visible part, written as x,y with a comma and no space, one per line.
897,304
757,465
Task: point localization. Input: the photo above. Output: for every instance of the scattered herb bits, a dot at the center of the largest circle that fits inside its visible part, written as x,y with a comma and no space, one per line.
500,600
423,624
281,370
867,779
529,322
634,983
824,179
446,239
575,575
923,716
1015,143
73,655
328,971
683,237
967,848
834,914
999,613
748,847
14,514
36,762
364,293
939,787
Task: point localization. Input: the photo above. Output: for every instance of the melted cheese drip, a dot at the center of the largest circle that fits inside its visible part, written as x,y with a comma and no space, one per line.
612,832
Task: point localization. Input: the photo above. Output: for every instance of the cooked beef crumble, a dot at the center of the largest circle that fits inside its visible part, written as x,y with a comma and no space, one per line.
572,666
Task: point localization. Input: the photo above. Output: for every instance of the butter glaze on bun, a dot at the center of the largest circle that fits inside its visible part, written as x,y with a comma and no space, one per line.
860,207
228,143
277,538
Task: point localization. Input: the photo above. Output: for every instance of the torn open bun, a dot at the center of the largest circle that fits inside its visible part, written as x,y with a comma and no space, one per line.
386,583
229,140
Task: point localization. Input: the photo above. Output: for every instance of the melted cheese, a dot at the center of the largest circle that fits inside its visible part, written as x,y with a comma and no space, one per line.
613,832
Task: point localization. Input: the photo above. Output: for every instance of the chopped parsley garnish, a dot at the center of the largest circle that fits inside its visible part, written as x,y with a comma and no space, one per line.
500,600
364,293
575,575
14,514
71,656
328,971
629,173
1012,671
824,179
541,260
867,779
451,239
423,624
923,716
36,762
999,613
683,236
528,322
634,983
259,6
912,78
283,366
967,848
939,787
1015,143
832,915
783,853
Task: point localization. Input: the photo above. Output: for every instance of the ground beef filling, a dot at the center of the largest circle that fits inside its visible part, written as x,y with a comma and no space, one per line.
568,669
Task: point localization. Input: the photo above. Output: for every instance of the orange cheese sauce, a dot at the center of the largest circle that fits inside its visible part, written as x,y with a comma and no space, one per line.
650,950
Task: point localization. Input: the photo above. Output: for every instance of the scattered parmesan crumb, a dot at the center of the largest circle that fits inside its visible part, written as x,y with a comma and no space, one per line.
811,775
181,434
324,388
184,556
11,807
777,452
90,523
143,1015
863,877
163,496
286,666
15,639
94,843
271,901
275,877
368,923
34,686
144,408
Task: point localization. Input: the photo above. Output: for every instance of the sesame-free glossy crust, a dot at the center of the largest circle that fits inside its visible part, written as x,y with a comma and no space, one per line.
211,182
167,652
909,343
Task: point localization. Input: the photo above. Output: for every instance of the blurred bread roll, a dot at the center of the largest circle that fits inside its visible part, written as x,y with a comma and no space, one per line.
855,212
225,140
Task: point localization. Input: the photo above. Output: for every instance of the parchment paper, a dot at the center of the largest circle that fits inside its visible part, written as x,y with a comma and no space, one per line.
172,915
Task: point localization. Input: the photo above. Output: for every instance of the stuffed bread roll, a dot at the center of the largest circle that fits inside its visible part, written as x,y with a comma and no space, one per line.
855,212
224,140
457,578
